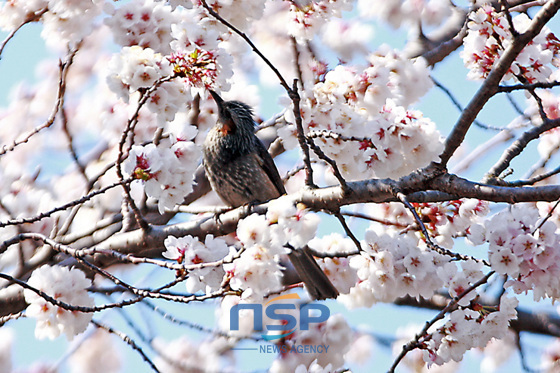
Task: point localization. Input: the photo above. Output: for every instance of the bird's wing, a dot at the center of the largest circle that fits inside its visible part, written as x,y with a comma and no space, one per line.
269,167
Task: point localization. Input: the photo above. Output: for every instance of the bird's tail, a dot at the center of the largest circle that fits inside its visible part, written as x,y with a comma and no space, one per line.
316,281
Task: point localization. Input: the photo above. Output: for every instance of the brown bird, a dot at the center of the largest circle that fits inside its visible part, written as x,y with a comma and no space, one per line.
241,171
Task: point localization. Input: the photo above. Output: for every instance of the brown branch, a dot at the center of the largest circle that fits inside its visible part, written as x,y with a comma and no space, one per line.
66,206
437,46
129,131
59,103
490,85
30,18
71,148
533,180
532,86
329,199
129,341
517,147
492,193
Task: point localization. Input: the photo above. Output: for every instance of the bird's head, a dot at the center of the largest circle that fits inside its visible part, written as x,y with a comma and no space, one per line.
234,117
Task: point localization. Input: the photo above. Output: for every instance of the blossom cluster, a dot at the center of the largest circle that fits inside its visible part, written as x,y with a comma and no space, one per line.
444,220
390,267
65,285
146,24
467,328
239,13
340,110
198,67
306,17
258,271
161,42
525,250
489,36
190,251
167,169
197,53
135,68
64,22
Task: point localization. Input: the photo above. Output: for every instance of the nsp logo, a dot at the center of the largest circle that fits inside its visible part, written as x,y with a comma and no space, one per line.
309,313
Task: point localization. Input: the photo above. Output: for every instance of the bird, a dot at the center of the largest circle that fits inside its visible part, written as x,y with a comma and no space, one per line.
242,172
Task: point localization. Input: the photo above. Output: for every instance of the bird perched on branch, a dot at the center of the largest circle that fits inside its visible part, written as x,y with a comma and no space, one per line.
241,171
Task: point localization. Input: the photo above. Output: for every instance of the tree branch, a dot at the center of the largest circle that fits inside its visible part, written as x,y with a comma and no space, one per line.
490,86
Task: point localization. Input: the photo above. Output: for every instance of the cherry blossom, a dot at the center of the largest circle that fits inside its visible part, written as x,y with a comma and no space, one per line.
190,251
468,328
393,266
167,170
529,256
65,285
347,104
489,35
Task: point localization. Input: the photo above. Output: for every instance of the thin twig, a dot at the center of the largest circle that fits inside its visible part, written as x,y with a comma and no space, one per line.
416,342
129,130
30,18
294,96
317,150
527,86
371,218
59,103
548,216
517,147
459,107
348,231
428,239
166,316
533,180
337,137
65,206
71,148
505,9
248,41
129,341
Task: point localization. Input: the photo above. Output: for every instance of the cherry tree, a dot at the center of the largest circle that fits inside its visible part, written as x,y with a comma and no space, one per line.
455,215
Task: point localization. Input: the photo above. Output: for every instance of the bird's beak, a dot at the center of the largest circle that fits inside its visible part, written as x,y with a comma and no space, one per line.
217,98
223,114
222,111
